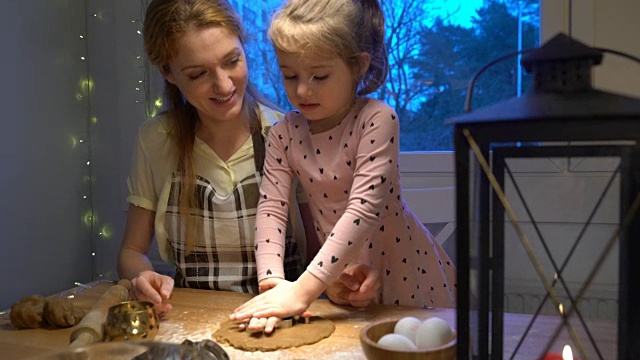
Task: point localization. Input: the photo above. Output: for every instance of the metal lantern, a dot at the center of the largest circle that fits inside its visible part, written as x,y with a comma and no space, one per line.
562,119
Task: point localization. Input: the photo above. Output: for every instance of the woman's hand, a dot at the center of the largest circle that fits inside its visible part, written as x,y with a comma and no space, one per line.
357,286
269,283
153,287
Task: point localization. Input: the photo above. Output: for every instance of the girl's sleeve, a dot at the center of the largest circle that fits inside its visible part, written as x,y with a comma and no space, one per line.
376,160
271,218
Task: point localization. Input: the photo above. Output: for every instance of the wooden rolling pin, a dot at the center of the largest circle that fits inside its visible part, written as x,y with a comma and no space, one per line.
90,329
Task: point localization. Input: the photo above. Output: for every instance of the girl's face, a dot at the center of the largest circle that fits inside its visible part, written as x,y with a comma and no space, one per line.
323,90
211,72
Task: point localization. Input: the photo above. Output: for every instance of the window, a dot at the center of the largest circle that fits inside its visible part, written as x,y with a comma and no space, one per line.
435,47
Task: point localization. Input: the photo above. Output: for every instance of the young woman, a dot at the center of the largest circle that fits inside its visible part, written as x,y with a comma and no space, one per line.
197,167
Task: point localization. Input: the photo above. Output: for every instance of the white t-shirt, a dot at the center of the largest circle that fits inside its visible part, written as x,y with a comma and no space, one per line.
155,160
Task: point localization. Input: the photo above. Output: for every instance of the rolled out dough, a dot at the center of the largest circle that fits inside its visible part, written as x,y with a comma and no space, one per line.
297,335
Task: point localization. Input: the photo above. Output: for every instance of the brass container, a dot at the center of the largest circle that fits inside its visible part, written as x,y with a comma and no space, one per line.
132,320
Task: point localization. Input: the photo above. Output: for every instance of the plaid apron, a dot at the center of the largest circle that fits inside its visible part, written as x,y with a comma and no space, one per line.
223,256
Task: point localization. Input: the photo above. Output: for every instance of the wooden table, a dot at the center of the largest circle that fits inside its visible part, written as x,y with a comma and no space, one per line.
197,314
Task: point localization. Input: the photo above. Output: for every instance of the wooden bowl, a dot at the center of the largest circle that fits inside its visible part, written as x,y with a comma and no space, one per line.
370,335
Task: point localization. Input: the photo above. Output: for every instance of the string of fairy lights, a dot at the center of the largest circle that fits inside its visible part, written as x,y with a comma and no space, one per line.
86,88
151,103
142,96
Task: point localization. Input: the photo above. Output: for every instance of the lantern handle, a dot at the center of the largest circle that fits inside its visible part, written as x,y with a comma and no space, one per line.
619,53
470,86
472,82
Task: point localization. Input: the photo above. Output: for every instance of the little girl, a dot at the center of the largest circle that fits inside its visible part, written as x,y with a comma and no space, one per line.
343,148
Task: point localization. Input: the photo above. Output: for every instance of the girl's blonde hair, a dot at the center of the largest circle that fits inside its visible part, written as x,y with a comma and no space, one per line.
335,28
164,23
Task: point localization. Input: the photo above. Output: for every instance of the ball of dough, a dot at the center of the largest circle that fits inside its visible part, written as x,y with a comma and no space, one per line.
28,312
61,312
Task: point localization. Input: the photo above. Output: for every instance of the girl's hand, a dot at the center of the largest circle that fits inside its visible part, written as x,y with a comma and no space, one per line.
285,299
260,324
265,310
357,286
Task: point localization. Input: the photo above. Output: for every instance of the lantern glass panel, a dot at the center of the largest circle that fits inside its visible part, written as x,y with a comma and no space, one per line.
567,208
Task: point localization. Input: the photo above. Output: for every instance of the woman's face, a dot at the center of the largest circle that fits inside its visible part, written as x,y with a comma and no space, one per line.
210,70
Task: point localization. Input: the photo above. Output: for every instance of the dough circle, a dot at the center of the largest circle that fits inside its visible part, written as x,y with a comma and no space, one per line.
297,335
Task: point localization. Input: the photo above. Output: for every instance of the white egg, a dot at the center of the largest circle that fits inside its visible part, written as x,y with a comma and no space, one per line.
408,326
397,342
433,332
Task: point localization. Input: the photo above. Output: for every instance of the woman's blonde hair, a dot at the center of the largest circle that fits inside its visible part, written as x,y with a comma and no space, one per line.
335,28
164,23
